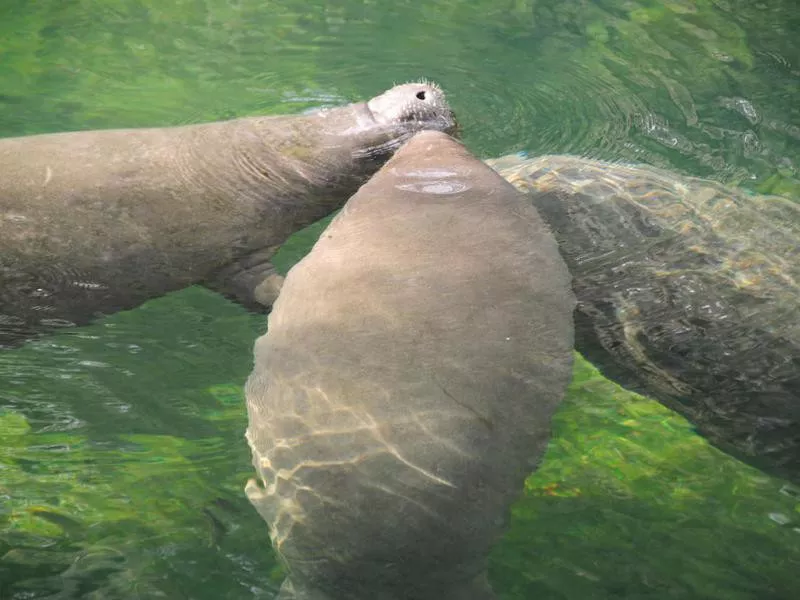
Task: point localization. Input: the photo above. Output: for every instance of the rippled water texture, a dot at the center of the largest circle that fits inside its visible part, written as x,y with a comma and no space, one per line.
122,458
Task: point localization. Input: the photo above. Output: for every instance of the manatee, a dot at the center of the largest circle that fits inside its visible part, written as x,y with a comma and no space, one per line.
688,291
405,386
95,222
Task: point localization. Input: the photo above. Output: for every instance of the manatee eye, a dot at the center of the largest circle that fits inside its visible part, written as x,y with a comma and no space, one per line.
421,95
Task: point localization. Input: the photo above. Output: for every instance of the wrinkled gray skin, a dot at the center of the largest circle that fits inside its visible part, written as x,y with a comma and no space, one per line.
688,291
405,387
98,221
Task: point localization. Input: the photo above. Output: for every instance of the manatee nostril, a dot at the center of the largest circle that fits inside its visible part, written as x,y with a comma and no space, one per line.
421,95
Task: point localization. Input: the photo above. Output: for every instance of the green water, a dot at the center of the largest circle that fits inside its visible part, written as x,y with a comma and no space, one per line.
122,456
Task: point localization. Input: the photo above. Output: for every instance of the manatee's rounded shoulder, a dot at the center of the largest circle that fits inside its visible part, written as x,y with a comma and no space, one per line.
648,187
752,238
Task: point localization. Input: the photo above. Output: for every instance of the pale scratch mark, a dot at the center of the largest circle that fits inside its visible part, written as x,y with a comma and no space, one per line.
391,492
443,441
424,472
48,175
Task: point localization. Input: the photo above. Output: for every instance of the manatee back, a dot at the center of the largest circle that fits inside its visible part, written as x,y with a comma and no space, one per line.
688,291
406,384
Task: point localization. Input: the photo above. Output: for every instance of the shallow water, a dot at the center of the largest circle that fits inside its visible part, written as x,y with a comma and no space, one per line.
122,459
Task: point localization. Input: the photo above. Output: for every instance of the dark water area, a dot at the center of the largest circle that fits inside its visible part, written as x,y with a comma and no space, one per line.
122,456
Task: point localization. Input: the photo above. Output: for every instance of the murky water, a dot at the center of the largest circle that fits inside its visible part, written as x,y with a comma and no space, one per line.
122,459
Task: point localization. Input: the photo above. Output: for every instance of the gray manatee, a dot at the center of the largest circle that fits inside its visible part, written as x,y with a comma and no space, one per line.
688,291
94,222
405,387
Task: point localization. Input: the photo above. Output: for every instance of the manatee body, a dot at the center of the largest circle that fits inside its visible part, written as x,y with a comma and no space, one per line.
98,221
688,291
405,386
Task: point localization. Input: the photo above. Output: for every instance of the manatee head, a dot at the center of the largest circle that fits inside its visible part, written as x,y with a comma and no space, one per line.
420,105
376,128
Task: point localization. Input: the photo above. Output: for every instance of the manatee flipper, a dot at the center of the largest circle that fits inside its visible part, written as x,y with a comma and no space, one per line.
251,281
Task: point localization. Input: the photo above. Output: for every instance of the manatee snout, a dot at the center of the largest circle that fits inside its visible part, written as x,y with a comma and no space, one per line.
422,104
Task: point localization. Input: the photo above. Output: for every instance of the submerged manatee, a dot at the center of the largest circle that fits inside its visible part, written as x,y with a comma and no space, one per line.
98,221
688,291
405,387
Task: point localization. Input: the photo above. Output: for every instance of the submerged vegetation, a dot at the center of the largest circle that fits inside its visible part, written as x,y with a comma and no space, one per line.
628,500
707,87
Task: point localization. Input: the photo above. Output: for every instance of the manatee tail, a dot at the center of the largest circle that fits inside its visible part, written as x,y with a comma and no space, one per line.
477,589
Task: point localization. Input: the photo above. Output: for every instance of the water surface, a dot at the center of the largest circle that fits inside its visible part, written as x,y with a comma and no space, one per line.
122,456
